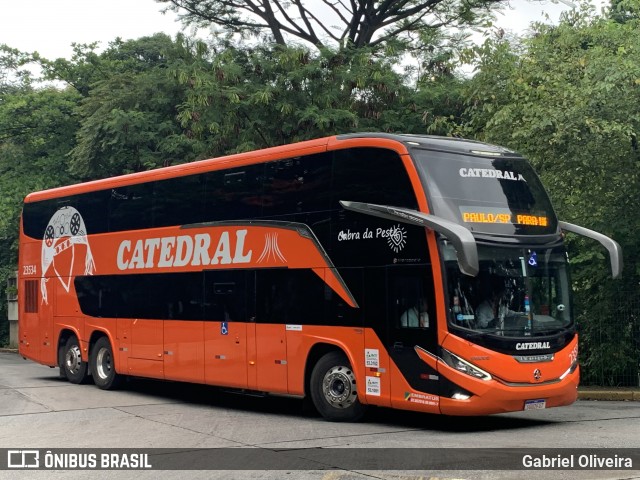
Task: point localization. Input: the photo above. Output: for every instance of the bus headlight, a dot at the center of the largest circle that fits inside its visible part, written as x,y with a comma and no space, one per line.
463,366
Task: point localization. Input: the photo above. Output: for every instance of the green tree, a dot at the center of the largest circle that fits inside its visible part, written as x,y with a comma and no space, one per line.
567,98
37,129
242,99
156,101
128,118
13,75
622,11
333,24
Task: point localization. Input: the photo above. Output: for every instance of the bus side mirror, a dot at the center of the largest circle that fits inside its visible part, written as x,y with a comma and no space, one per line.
615,252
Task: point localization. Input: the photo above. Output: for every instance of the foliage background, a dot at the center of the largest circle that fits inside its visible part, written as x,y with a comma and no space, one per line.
566,99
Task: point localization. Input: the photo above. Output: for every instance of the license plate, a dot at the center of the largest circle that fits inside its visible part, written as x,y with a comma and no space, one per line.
535,404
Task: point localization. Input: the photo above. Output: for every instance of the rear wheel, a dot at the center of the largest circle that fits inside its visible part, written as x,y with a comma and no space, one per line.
103,367
74,368
333,389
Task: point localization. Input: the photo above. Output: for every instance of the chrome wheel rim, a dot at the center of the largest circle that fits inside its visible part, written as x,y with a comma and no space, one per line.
339,387
73,359
104,363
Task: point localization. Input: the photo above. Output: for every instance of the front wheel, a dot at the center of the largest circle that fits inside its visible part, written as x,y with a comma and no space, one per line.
333,389
102,365
75,370
61,356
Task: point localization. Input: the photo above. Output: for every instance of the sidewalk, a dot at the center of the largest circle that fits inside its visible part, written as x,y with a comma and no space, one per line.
609,393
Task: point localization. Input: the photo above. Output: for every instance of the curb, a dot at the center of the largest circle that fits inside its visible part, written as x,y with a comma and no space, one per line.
615,395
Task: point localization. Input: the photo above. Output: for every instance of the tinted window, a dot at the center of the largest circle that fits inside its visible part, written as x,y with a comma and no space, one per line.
338,309
36,216
289,296
131,207
233,194
152,296
269,296
294,187
299,297
94,208
229,296
371,175
492,195
179,201
301,184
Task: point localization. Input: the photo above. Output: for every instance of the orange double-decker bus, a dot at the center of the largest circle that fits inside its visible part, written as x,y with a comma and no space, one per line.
411,272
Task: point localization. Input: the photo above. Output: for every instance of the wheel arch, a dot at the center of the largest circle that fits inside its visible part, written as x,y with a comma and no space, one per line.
317,351
96,335
64,335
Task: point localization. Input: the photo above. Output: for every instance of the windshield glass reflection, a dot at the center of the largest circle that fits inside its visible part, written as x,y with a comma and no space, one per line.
519,292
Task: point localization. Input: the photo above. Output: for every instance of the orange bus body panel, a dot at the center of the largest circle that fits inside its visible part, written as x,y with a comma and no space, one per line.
183,351
226,355
266,357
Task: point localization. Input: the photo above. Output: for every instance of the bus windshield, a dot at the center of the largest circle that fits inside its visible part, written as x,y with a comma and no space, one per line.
496,196
519,291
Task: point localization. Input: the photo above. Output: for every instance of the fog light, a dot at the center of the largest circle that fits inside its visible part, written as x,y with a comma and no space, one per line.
460,396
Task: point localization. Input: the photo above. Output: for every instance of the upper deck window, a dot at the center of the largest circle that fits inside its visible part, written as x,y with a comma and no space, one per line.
495,195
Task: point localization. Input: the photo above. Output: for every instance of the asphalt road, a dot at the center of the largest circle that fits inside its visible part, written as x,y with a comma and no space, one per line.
40,411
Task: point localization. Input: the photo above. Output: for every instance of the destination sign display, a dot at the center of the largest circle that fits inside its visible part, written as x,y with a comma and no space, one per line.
474,214
488,195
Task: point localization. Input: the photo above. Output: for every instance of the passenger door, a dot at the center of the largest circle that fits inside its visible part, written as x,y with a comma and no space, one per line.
277,304
183,329
146,357
228,312
408,286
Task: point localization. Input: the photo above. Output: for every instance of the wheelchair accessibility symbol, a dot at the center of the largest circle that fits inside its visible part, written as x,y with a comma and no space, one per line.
224,328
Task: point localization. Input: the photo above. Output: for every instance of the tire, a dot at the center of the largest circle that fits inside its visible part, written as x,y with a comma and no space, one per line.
75,370
62,373
333,389
103,368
